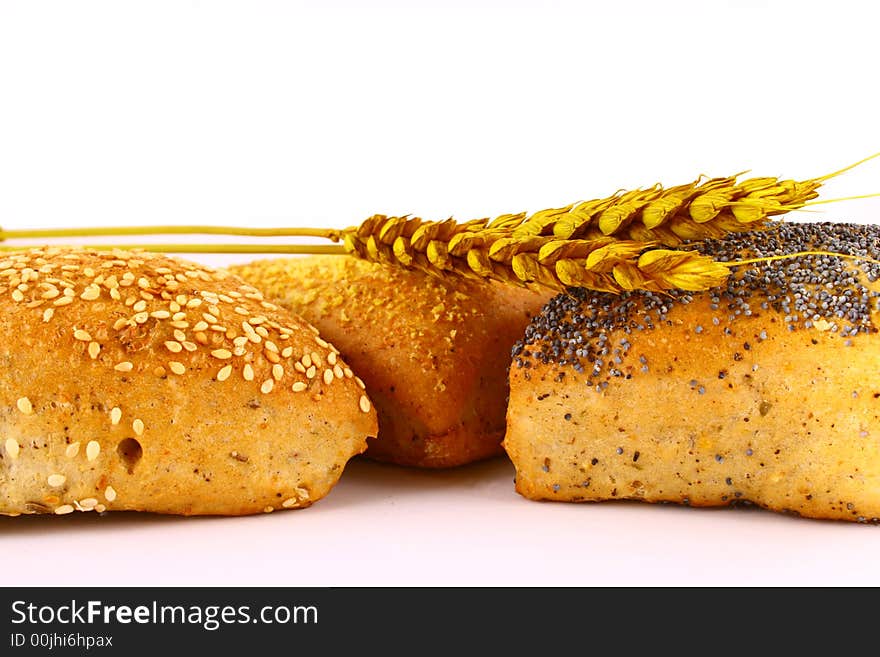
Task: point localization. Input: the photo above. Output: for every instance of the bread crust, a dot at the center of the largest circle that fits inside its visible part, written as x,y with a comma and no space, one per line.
133,395
433,353
719,402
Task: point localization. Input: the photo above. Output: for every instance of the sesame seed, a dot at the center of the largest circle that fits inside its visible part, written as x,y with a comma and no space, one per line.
138,307
306,361
208,317
80,334
200,326
331,358
12,448
299,386
348,373
124,366
173,347
277,372
248,372
56,480
72,450
160,314
337,371
316,359
88,503
92,450
290,502
91,293
364,403
242,311
17,295
310,373
268,509
100,508
222,354
138,427
48,313
224,373
94,350
109,493
298,366
328,377
287,352
322,342
141,318
64,509
189,346
24,405
267,386
360,383
115,415
62,301
177,367
179,335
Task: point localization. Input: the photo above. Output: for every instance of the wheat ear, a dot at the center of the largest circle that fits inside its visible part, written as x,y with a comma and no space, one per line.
477,249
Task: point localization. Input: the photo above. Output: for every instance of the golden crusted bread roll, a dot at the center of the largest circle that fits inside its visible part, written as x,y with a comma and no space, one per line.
434,354
141,382
766,391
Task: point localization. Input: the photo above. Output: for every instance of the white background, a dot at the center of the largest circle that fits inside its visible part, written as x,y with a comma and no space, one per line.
322,113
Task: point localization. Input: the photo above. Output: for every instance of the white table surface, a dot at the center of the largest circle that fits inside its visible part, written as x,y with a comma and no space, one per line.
389,526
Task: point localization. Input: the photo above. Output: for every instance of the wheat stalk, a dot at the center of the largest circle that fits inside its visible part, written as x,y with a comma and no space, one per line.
622,242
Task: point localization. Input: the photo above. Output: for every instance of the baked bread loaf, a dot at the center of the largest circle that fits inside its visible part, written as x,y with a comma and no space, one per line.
433,354
766,391
141,382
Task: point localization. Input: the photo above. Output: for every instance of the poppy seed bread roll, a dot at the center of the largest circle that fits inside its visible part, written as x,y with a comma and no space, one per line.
433,353
133,381
765,391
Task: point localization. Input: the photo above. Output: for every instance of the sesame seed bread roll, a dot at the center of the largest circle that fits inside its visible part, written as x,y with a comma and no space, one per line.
146,383
433,353
766,391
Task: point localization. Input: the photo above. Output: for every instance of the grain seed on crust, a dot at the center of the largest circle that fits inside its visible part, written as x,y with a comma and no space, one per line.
93,448
12,448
